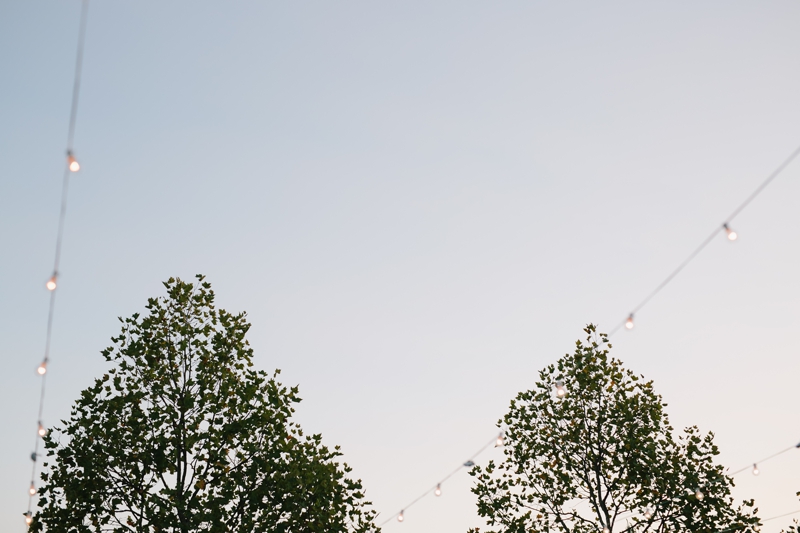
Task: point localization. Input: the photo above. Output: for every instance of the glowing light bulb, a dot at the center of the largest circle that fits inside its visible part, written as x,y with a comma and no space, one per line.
629,322
500,440
42,370
732,236
648,514
32,490
42,430
438,490
560,390
755,469
606,530
74,166
400,517
699,495
28,518
51,283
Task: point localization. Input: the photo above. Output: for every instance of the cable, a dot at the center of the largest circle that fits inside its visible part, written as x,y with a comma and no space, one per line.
781,515
776,454
72,166
628,322
466,464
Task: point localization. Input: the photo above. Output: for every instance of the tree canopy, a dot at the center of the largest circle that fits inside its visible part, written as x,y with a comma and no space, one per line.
182,434
590,449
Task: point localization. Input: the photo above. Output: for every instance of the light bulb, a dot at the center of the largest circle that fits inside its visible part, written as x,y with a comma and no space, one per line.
32,490
42,431
74,166
629,322
500,440
42,370
51,283
755,469
606,530
699,495
400,517
560,390
438,490
648,514
732,236
28,518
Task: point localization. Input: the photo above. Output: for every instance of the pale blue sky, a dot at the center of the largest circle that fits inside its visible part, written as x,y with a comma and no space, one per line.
419,204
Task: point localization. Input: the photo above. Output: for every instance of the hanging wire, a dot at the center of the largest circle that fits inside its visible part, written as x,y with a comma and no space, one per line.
70,167
437,486
753,466
498,441
781,515
628,322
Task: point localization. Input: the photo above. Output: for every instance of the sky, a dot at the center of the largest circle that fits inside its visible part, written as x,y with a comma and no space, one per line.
419,205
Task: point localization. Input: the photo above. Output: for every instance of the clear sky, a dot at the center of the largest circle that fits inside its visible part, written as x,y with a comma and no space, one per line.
419,204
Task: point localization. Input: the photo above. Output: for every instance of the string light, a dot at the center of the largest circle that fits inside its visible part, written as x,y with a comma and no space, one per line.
74,166
560,390
732,236
648,514
52,283
606,530
500,440
629,322
437,489
755,470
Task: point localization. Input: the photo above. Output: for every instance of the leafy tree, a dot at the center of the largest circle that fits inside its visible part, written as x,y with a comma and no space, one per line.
590,449
183,435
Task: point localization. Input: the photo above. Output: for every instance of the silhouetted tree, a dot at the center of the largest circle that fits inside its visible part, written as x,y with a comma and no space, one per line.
183,435
590,449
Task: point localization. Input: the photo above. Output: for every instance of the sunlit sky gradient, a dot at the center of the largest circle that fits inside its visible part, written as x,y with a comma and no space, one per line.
419,204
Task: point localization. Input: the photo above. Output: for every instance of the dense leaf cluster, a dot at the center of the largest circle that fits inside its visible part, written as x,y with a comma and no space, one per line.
183,435
603,457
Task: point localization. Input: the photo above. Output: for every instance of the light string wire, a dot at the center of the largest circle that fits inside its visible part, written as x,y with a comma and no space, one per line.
664,283
707,241
70,167
781,515
466,464
498,442
764,460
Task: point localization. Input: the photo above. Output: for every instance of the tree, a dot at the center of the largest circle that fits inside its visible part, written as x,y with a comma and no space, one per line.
590,449
183,435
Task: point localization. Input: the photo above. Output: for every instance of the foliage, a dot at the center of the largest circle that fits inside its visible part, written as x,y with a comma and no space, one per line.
603,456
183,435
